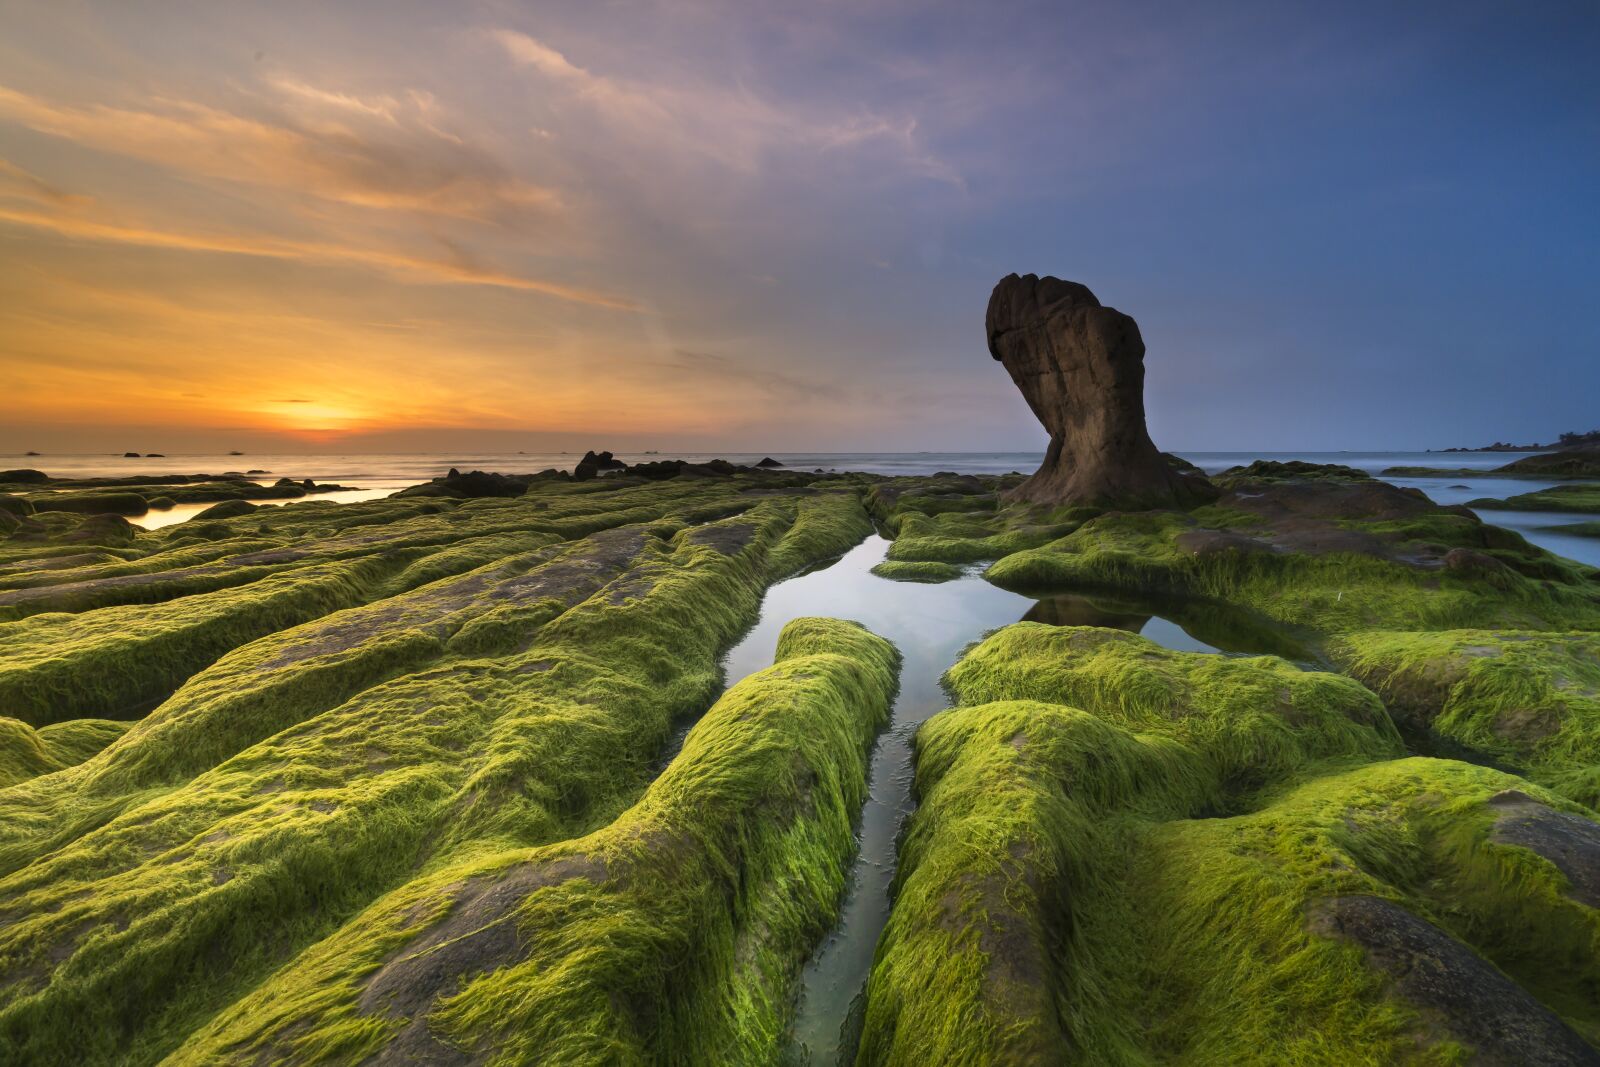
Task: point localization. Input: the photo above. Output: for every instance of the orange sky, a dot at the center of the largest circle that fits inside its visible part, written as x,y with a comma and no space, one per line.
761,226
224,230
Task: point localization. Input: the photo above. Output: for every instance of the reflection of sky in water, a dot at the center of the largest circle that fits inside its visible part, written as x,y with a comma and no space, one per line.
156,518
931,624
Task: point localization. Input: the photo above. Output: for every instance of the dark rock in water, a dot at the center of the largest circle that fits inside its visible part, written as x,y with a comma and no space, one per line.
290,483
227,509
93,503
1080,366
24,477
257,472
1295,470
593,463
235,452
162,502
30,452
475,484
130,455
155,455
769,462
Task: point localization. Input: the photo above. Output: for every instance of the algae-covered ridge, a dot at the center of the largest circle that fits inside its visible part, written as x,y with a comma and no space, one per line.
394,781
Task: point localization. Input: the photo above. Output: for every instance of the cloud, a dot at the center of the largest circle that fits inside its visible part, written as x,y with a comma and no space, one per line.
726,125
385,153
459,269
14,181
724,371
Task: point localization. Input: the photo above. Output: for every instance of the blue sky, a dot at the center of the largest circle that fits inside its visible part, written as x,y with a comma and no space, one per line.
751,226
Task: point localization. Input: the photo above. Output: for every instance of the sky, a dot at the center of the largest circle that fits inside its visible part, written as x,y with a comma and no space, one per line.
406,226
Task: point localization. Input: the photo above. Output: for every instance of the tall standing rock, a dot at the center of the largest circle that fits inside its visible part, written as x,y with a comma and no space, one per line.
1080,366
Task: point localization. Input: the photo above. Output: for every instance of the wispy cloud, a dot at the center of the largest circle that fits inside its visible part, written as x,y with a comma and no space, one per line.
387,153
728,125
16,182
459,269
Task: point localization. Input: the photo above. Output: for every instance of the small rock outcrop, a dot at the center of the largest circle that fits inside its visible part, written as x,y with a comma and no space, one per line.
1080,366
593,463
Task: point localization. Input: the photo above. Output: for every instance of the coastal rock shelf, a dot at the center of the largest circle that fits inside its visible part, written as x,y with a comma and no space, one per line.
398,780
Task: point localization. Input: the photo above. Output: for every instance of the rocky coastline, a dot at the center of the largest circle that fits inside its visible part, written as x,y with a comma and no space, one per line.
396,780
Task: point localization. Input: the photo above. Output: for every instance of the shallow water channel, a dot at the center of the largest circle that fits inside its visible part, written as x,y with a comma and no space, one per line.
931,624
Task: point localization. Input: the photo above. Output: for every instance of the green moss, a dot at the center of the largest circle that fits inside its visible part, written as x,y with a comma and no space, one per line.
1073,728
91,503
673,933
1584,498
1292,470
968,538
1123,856
105,662
906,571
1327,591
27,753
1530,700
286,788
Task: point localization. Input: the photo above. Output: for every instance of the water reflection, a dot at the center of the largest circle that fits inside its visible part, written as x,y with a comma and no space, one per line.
156,518
1179,623
931,625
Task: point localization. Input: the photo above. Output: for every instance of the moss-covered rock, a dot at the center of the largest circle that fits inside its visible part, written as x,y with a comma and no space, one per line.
672,934
228,509
1291,470
1128,855
1331,556
1581,498
399,688
1527,700
919,571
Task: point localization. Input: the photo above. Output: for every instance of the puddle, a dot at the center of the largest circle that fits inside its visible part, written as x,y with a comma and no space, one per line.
156,518
931,624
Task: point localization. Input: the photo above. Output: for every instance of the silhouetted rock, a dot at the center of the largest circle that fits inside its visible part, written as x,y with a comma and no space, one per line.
1294,470
1080,366
479,484
769,462
130,455
24,477
593,463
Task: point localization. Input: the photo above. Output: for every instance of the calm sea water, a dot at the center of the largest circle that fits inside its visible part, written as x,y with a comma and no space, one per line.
378,474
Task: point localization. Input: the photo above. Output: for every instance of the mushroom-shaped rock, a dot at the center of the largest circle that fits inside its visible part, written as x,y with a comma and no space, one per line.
1080,366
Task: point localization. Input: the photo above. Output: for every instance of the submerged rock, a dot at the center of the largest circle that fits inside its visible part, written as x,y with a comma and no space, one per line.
1080,366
